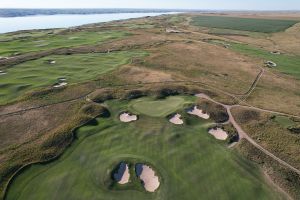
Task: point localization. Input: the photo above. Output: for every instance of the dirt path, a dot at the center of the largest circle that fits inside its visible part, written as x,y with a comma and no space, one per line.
253,85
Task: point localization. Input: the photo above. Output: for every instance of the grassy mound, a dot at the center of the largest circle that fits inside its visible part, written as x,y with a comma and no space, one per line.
244,24
190,163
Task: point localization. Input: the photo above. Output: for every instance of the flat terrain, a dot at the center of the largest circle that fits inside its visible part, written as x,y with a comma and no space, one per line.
65,142
244,24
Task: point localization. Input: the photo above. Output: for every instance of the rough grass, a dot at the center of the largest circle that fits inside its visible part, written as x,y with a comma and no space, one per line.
272,133
75,68
53,41
191,164
244,24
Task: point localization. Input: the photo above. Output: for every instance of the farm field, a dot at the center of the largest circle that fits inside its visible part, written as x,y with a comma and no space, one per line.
244,24
181,156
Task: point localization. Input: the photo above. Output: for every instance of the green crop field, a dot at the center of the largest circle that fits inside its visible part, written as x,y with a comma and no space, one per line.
287,64
47,42
75,68
190,163
244,24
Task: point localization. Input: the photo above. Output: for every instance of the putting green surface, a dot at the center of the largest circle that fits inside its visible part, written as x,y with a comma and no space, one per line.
157,108
191,164
75,68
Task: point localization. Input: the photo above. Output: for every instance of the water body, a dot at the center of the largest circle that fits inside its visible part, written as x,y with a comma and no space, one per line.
11,24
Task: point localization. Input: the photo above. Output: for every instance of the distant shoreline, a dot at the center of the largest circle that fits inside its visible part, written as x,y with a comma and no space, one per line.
22,12
32,12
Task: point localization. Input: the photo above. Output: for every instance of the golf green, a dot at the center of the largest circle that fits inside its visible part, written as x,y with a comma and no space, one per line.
158,108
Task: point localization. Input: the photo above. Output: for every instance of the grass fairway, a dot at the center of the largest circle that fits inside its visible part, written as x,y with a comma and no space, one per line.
285,63
47,42
191,164
75,68
243,24
157,108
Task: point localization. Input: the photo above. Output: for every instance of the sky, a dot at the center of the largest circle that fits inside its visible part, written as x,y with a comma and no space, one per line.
180,4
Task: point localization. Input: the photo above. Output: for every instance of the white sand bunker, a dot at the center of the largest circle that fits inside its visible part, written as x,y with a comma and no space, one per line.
2,73
58,85
148,177
270,64
62,79
170,30
3,58
61,83
127,117
218,133
122,176
50,62
176,119
198,112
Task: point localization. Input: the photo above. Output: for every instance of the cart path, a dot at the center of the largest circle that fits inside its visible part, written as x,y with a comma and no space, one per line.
243,134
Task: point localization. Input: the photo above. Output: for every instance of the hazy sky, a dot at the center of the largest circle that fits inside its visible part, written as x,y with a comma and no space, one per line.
193,4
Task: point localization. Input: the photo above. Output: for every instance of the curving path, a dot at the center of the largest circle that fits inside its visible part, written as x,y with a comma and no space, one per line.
243,134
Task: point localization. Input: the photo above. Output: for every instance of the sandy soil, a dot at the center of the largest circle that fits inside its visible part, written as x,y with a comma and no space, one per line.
126,117
218,133
176,119
198,113
151,182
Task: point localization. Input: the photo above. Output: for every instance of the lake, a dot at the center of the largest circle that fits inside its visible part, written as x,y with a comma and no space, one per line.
10,24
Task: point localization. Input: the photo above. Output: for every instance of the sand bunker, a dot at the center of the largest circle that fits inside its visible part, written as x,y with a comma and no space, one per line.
127,117
198,112
51,62
270,64
62,79
218,133
3,58
176,119
148,177
122,175
169,30
2,73
58,85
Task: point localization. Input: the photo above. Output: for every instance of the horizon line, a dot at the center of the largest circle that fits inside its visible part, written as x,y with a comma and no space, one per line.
183,9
